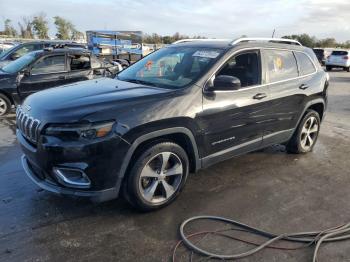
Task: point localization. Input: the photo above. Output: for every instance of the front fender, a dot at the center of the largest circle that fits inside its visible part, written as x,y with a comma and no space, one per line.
160,133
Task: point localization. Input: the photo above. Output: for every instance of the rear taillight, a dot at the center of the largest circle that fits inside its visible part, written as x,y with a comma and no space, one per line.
346,57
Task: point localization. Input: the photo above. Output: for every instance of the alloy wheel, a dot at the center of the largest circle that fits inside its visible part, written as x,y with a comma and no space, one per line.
309,133
3,106
161,177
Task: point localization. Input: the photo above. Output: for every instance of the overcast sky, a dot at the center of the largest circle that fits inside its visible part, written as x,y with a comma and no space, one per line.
210,18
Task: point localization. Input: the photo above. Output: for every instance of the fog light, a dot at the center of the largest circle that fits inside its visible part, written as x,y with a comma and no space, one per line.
70,177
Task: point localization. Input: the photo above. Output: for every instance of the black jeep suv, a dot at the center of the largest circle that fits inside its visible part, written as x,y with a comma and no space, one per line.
182,108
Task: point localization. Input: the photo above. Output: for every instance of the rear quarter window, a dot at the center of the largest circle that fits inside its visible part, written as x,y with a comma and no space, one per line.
280,65
305,64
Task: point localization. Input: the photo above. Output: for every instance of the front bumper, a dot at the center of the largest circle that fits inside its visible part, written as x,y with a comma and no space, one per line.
337,64
97,196
99,160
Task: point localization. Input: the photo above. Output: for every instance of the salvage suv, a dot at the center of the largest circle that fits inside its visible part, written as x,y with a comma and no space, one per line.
182,108
43,69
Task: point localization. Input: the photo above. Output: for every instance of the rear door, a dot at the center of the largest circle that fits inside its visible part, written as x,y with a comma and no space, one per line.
288,93
79,66
49,71
286,98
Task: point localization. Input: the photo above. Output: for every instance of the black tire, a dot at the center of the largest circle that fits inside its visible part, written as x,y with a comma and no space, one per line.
5,105
347,69
295,145
134,188
329,68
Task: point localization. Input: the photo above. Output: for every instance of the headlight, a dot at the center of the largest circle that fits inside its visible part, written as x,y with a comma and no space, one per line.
76,131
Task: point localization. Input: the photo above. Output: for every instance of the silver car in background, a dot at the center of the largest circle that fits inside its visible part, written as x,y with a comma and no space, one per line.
339,59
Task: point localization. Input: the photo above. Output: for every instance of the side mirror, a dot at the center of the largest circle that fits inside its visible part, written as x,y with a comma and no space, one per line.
226,82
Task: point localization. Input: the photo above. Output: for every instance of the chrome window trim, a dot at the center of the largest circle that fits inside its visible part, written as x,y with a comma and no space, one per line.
261,85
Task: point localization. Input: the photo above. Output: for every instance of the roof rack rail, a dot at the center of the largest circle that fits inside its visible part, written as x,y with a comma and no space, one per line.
265,39
199,40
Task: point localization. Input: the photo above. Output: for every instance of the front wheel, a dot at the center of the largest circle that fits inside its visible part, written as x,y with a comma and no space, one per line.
306,134
347,69
157,177
329,68
5,105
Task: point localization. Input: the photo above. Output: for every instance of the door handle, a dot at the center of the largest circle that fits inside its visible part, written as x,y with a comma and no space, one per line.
303,87
259,96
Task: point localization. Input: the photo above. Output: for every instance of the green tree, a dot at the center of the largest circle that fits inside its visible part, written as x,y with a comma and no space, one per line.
304,39
9,29
64,28
328,42
40,26
26,27
76,35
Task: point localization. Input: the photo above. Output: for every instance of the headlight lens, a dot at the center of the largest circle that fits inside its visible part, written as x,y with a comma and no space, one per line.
76,131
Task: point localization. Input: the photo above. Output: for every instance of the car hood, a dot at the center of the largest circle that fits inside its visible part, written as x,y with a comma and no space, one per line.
73,102
6,76
4,62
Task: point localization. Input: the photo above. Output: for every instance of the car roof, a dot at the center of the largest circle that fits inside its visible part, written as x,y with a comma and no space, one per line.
63,50
344,50
205,44
227,45
51,41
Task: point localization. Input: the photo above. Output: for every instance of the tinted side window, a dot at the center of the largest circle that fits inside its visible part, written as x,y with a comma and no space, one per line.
280,65
49,64
79,62
305,64
245,67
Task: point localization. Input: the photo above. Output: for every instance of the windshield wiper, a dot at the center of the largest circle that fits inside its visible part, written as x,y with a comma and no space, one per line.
137,81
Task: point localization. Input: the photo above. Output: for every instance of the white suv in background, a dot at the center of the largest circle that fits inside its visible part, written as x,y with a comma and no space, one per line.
339,59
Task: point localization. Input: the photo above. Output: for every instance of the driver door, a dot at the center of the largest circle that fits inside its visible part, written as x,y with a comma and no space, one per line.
48,71
233,120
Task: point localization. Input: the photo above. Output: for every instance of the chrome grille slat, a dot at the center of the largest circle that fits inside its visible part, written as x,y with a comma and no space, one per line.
27,125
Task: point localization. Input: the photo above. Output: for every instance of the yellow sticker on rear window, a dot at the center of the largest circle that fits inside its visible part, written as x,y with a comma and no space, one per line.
278,63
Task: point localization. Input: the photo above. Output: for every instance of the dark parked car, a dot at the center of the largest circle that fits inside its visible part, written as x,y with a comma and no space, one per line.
44,69
24,48
322,54
184,107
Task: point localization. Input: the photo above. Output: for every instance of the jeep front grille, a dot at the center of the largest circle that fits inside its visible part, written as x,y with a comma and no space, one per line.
28,126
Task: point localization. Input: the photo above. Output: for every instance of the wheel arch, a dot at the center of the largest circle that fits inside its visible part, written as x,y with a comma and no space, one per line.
319,108
9,97
180,135
318,104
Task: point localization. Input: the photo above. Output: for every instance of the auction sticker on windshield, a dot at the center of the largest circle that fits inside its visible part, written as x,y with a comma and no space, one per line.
206,53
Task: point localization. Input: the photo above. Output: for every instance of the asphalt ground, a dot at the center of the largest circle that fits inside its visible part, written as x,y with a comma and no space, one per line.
269,189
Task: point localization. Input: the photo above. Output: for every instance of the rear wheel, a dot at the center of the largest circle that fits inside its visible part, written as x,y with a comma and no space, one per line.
305,136
5,105
329,68
157,177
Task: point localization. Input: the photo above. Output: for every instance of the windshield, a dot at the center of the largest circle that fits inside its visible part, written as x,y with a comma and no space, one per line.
19,64
173,67
339,53
3,54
